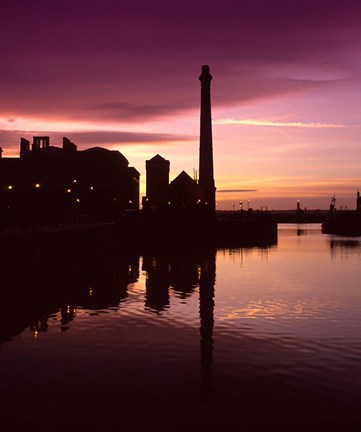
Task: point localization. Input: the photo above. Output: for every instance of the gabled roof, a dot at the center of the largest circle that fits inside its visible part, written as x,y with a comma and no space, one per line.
157,158
184,185
183,178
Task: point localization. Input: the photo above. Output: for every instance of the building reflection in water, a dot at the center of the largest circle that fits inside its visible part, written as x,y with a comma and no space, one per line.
59,287
241,254
184,276
261,366
108,282
184,272
39,326
68,313
157,283
105,284
341,248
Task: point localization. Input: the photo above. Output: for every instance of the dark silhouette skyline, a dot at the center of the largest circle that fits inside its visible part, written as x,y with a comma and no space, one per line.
61,185
280,107
51,186
48,184
343,222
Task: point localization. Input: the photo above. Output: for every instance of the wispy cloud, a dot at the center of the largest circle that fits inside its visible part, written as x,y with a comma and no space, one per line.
236,190
95,138
251,122
136,111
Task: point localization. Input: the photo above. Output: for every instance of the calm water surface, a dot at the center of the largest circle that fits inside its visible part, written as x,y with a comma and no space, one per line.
241,339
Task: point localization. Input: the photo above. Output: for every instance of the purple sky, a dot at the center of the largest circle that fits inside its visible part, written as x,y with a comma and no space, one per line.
124,74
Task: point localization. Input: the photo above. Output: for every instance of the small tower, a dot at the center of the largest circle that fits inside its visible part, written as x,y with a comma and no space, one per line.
68,146
206,176
157,180
24,147
40,142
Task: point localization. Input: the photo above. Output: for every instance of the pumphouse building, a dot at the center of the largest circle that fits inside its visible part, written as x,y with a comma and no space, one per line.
181,197
185,196
62,184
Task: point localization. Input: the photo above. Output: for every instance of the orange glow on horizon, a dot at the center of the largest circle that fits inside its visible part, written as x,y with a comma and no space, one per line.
281,159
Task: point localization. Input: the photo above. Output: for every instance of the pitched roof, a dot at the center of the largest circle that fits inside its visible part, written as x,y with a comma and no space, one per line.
184,185
157,158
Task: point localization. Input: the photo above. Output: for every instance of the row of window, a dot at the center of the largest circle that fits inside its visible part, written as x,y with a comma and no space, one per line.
38,185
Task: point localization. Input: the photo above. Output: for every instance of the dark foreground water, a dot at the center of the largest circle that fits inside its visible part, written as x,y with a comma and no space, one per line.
250,339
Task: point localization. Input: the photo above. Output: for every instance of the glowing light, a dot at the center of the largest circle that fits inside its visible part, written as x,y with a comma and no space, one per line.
199,272
91,188
77,200
37,185
10,187
68,190
74,181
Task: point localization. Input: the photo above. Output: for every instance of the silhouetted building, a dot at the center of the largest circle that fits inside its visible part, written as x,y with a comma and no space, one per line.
185,196
157,181
343,222
53,184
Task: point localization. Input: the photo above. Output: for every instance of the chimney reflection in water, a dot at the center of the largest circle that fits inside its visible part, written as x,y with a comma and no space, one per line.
207,279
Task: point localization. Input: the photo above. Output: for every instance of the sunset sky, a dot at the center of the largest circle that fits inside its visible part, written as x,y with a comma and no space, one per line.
286,89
